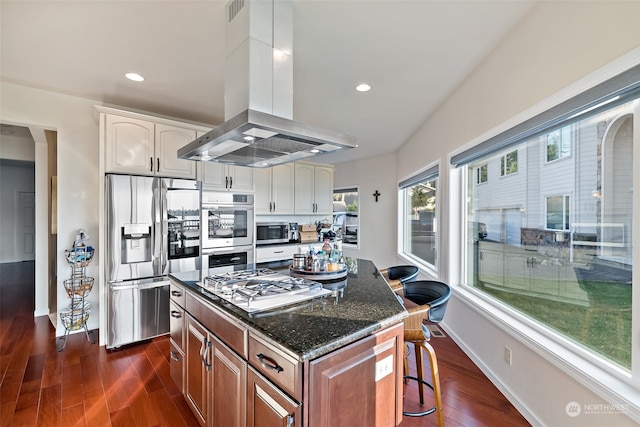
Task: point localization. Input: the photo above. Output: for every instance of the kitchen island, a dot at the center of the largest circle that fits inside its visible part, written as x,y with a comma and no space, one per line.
326,362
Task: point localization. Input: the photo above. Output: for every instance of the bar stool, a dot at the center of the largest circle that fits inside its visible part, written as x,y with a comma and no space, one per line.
431,298
397,275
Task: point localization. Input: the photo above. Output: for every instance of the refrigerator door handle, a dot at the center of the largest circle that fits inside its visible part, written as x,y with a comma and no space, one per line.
164,225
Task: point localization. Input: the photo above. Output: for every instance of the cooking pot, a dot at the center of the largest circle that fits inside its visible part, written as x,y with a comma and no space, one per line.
299,261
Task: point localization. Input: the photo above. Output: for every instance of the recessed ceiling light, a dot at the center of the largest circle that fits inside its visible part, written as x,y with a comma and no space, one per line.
249,138
135,77
315,151
363,87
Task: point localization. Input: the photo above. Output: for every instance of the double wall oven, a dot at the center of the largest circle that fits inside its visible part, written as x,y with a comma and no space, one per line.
228,229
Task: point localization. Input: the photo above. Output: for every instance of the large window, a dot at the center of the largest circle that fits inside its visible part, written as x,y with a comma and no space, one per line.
346,222
419,214
556,239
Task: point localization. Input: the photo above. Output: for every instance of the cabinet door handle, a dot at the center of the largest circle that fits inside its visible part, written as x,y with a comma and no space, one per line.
175,356
278,252
274,206
204,353
176,314
290,421
269,363
226,182
158,165
151,164
230,182
176,293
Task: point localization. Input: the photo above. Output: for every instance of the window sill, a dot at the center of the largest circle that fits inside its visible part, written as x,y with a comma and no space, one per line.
605,379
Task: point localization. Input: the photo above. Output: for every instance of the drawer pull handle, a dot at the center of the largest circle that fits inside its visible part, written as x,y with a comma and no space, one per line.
176,314
175,356
176,293
269,363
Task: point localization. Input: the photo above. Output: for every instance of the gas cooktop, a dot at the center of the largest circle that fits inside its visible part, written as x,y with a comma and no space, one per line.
262,289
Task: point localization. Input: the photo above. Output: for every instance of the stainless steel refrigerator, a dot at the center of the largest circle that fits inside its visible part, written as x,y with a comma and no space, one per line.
153,229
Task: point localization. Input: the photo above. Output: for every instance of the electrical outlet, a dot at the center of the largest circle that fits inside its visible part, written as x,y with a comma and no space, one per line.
384,367
507,355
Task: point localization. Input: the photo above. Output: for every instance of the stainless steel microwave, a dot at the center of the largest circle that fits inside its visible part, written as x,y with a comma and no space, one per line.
272,232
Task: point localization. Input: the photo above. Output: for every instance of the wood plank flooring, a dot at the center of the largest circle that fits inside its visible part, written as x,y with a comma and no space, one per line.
86,385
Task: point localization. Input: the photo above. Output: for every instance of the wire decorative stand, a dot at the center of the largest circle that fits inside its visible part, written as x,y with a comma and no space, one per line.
75,316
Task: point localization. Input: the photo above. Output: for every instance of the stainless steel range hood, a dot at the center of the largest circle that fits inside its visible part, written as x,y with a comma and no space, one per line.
258,130
257,139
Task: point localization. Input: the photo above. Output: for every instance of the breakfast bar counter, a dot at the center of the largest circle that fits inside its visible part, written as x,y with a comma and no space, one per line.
328,361
312,329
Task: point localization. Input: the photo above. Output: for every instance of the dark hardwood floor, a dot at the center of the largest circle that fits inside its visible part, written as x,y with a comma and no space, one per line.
86,385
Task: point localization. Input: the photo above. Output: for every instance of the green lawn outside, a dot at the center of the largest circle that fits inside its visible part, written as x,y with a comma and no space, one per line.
604,326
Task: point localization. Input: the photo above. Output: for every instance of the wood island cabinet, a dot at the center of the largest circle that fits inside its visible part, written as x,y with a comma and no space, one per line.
267,406
236,376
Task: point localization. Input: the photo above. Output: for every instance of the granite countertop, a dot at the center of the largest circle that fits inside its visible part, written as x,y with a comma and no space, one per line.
311,329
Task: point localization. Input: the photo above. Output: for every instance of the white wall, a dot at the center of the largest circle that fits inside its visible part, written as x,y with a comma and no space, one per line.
377,219
557,44
76,122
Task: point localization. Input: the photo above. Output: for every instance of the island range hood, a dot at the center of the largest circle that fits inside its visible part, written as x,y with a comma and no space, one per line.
258,130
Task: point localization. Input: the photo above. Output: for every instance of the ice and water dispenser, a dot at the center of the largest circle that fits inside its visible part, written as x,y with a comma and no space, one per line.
136,243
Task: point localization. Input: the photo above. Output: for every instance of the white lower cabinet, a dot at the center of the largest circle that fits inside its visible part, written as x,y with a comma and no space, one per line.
275,253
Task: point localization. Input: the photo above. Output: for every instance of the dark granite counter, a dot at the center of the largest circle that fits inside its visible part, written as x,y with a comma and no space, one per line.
359,306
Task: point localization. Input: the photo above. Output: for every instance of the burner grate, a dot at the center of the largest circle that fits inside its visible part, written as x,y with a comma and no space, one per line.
261,288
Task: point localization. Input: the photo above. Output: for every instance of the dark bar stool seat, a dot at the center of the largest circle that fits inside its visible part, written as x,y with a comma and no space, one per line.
430,299
397,275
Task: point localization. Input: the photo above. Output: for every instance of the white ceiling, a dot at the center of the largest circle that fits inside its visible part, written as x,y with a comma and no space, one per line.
413,52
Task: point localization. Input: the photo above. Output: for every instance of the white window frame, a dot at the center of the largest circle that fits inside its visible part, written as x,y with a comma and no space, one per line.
564,204
430,269
355,189
478,169
545,145
595,373
503,163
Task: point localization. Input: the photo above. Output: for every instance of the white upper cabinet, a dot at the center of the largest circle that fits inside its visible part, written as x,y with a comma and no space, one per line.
217,176
129,145
313,189
168,140
143,145
274,190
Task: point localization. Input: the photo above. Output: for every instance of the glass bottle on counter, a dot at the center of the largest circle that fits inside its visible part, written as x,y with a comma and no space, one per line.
327,247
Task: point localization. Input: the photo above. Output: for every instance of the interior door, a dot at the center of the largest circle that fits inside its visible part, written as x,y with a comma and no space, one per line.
26,228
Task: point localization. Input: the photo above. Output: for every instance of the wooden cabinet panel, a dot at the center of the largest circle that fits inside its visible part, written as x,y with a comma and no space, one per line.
269,407
231,333
271,362
197,371
229,387
358,384
176,366
176,322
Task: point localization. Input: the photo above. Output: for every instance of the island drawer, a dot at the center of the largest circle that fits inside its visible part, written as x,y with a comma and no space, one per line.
226,329
272,362
177,293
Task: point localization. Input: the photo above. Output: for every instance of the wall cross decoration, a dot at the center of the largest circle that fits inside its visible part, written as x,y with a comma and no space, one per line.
376,195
